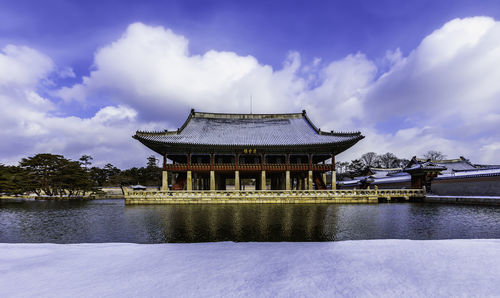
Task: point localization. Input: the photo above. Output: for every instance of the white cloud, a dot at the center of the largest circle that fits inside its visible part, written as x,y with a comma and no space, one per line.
28,127
22,66
66,72
150,68
448,83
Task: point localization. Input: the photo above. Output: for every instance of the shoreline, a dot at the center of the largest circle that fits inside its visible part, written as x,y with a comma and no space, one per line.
433,199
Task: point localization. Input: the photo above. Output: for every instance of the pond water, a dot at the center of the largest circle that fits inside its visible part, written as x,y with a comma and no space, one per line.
112,221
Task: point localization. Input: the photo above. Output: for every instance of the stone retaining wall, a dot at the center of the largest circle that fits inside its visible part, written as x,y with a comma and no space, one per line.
269,197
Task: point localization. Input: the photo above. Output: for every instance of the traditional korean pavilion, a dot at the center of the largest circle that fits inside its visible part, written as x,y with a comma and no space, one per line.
216,151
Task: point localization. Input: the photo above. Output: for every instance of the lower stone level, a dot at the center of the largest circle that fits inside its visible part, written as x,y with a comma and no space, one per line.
270,197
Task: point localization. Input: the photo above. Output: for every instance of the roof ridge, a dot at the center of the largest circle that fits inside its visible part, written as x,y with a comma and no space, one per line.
209,115
441,160
386,169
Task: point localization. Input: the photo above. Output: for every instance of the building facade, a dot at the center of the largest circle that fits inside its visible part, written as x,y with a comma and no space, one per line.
217,151
452,177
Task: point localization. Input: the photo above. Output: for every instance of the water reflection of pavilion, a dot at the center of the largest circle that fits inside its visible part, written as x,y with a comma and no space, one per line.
200,223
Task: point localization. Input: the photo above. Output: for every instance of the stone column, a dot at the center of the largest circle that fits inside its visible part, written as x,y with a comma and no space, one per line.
236,180
212,180
263,181
287,180
189,181
324,178
310,180
164,181
334,180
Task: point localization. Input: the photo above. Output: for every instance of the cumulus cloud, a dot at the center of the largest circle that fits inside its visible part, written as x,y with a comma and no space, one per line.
30,127
443,95
151,69
449,84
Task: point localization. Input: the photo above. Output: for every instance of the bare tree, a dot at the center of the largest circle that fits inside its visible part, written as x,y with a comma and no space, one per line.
369,159
434,155
389,160
341,166
403,162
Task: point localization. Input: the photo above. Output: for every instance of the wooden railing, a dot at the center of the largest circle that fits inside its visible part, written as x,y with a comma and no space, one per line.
247,167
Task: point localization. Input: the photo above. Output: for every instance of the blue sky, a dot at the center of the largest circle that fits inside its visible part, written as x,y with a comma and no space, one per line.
82,76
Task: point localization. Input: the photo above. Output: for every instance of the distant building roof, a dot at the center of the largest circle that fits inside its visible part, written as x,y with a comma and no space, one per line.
382,172
451,165
138,187
240,130
419,165
459,168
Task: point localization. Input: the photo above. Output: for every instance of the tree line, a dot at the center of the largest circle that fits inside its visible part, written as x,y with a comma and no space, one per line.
55,175
361,166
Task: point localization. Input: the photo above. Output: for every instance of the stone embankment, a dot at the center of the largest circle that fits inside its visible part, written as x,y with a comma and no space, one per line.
473,200
270,196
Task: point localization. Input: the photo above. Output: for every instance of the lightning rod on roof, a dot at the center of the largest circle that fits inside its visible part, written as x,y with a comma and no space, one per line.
251,103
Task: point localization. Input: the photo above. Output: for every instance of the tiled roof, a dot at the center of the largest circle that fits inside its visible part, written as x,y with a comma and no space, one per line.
248,130
382,172
452,165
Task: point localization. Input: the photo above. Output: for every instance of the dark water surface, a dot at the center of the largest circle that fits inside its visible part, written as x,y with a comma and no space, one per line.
112,221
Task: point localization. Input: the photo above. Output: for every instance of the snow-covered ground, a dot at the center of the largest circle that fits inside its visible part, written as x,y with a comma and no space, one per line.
383,268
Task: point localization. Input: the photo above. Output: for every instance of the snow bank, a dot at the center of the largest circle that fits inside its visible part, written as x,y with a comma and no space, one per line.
324,269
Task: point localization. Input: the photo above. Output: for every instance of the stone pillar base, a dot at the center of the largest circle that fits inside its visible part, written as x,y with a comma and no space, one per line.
212,180
334,180
236,180
310,180
287,180
164,181
263,181
189,181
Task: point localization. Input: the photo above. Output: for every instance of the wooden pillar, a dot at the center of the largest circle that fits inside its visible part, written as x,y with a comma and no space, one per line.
164,181
189,181
263,180
310,180
236,180
212,180
287,180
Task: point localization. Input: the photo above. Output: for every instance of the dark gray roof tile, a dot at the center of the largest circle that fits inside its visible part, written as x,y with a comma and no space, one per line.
248,129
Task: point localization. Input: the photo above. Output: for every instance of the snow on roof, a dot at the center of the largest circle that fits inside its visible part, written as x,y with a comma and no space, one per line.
470,173
452,165
248,129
